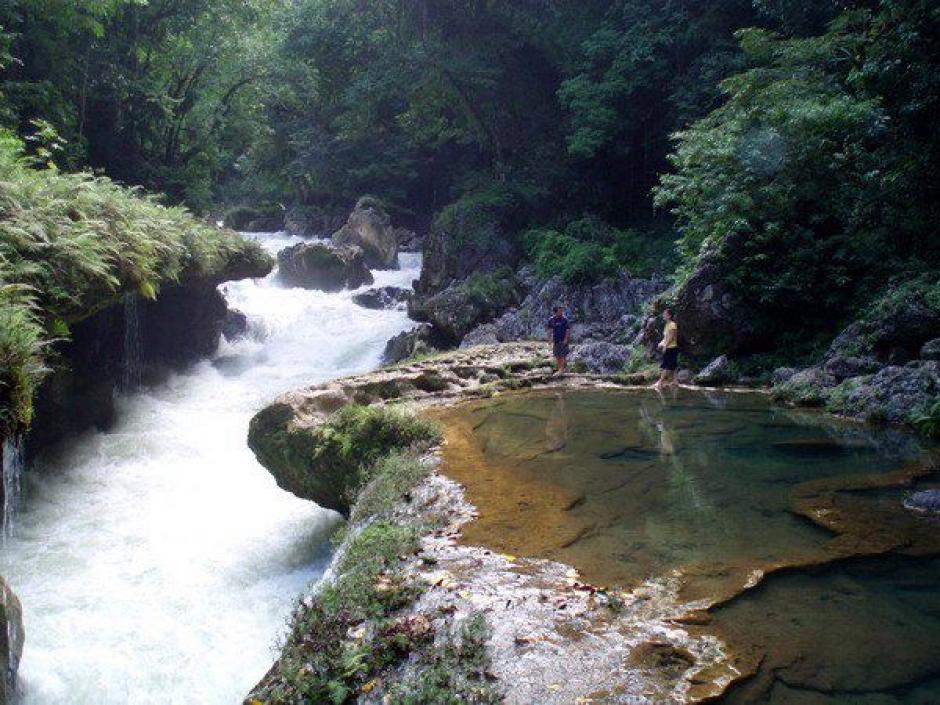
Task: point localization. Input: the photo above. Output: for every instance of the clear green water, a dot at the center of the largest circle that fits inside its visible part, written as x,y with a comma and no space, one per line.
628,486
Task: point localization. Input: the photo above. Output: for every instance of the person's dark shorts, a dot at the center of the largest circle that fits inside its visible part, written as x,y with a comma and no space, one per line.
561,349
670,359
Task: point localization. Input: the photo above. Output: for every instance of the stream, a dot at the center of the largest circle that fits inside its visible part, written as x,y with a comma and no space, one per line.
158,562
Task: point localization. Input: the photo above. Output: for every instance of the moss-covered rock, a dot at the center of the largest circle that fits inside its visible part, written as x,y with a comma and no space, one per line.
325,462
369,227
325,267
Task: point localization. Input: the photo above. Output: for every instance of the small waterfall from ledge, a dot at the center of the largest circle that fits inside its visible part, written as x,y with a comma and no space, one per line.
12,476
131,372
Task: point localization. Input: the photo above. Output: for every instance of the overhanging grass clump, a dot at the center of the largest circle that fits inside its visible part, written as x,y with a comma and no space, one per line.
70,244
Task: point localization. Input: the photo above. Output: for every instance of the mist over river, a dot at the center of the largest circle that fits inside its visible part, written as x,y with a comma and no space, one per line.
158,562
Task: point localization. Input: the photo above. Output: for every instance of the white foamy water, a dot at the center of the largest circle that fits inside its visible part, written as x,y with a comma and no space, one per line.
158,562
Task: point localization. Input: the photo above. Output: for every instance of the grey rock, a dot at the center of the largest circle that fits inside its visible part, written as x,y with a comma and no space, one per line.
481,335
369,227
924,502
384,297
601,357
235,324
810,387
12,636
318,265
931,350
844,367
408,240
458,309
408,344
895,394
718,371
608,311
782,374
895,333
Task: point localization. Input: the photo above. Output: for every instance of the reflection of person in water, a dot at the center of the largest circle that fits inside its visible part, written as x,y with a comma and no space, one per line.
556,428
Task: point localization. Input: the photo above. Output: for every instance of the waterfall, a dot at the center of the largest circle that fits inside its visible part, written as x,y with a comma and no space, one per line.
10,489
131,374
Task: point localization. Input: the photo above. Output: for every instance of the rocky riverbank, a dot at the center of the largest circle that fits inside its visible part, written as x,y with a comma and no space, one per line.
505,629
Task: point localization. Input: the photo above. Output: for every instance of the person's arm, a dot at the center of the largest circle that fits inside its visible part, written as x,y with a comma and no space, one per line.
567,333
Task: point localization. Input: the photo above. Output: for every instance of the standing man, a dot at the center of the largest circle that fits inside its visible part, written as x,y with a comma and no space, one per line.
561,335
670,347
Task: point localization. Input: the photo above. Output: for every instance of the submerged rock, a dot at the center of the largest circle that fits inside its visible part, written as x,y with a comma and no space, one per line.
925,501
235,324
369,227
12,636
383,297
325,267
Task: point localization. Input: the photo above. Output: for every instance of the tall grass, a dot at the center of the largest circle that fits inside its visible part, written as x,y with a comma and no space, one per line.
71,244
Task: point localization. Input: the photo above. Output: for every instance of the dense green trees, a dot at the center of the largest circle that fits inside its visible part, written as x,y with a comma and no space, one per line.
806,130
821,167
154,93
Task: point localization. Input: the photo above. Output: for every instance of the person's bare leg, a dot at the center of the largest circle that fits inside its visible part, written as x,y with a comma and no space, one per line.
662,378
562,364
674,378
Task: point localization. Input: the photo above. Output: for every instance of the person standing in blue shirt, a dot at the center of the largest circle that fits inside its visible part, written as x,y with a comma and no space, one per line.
561,335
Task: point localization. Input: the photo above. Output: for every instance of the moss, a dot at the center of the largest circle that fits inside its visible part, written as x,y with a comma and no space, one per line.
325,463
387,482
492,290
322,661
430,381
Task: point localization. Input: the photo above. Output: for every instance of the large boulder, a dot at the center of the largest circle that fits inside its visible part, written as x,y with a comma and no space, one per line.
460,308
369,227
383,297
895,394
322,266
931,350
12,636
608,311
601,357
810,387
418,341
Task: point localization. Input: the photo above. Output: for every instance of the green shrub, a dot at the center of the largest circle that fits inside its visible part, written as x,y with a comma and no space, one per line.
928,423
495,290
575,261
453,673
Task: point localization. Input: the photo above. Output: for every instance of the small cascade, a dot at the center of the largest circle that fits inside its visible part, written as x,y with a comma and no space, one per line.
131,372
12,476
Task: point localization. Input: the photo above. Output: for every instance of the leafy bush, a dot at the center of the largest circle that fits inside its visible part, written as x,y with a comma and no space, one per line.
928,423
493,290
575,261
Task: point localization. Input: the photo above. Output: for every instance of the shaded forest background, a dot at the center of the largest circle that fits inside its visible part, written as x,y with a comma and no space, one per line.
795,142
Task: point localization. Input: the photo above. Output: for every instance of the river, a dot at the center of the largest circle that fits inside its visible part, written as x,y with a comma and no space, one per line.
158,562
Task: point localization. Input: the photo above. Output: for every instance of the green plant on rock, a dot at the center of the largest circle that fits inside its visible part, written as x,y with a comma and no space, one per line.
453,673
928,423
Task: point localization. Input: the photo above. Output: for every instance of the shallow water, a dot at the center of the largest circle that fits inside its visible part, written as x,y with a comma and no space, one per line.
630,485
158,562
